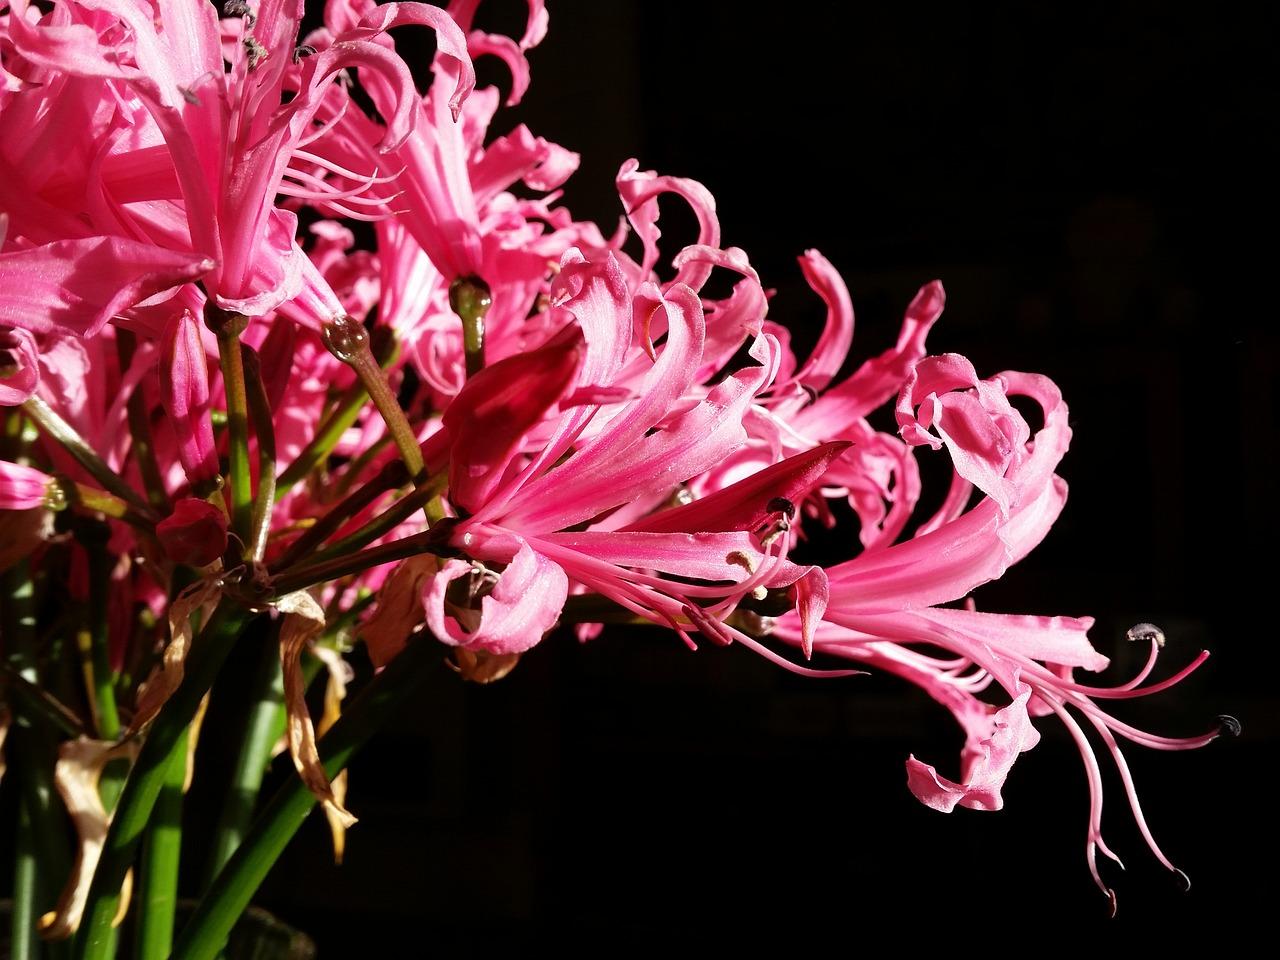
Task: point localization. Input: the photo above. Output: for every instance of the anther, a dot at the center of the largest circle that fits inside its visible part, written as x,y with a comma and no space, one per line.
303,50
1228,725
1146,632
782,505
255,52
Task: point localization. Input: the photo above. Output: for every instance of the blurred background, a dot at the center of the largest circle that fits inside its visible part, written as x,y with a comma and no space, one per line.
1093,186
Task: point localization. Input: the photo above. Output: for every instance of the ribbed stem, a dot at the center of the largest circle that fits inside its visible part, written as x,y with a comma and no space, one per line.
147,779
265,703
348,340
144,451
54,427
227,327
264,430
429,541
161,857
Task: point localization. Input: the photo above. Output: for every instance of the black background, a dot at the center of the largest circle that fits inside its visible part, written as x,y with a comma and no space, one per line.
1091,184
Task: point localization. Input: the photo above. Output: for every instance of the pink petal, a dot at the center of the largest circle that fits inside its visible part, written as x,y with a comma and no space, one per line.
76,286
522,606
184,392
837,334
986,762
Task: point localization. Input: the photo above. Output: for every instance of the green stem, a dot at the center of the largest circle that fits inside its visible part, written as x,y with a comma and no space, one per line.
470,299
388,478
348,340
227,327
235,886
94,536
144,451
260,734
429,541
92,500
23,942
335,423
147,779
161,855
58,429
264,430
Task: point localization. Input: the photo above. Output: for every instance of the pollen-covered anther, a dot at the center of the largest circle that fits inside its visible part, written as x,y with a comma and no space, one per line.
1146,632
255,52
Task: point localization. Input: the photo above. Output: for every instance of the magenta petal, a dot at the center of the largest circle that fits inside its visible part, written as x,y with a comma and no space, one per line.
76,286
745,505
488,420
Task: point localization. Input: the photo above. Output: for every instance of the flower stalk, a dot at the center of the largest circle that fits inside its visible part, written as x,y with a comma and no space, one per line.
148,777
161,856
227,327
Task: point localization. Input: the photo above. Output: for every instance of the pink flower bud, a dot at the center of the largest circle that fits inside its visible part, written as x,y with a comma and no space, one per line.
195,533
184,391
22,488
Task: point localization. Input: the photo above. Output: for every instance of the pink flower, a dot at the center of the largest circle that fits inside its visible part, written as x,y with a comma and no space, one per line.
885,607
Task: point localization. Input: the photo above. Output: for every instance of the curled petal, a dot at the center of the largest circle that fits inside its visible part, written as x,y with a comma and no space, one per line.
80,765
203,596
451,44
19,366
303,622
521,604
986,763
837,334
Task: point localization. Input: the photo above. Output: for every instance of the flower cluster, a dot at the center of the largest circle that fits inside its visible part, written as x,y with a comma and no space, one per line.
489,419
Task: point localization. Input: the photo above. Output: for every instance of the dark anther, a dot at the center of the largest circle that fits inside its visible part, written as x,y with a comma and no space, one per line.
303,50
782,505
1228,725
255,52
1111,911
1183,880
235,8
189,96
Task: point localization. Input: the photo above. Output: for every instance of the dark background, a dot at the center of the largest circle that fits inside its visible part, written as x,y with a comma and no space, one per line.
1091,184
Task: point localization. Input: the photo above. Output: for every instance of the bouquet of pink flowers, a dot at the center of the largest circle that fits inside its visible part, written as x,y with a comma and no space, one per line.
226,416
